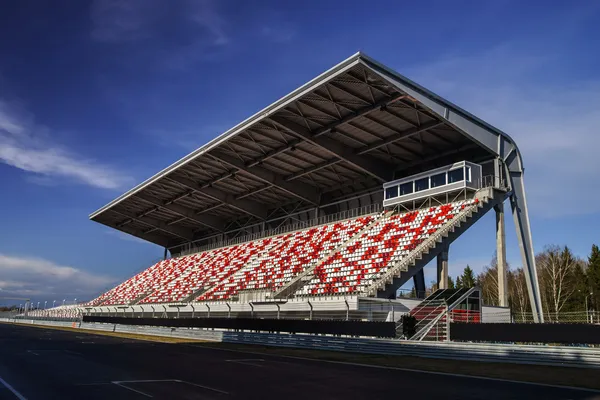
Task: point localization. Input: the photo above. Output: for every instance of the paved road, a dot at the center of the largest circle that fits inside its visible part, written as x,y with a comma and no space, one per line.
41,363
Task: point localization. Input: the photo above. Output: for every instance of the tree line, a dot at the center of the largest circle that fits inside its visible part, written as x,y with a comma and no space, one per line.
567,283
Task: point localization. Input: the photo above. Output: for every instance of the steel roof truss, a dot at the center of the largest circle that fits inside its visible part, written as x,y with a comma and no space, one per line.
155,223
297,189
372,167
246,206
206,220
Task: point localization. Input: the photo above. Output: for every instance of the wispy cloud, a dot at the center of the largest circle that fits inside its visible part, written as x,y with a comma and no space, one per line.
553,122
206,15
118,21
172,35
23,276
27,146
123,20
275,26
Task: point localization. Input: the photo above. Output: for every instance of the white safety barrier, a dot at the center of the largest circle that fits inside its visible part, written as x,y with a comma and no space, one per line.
564,356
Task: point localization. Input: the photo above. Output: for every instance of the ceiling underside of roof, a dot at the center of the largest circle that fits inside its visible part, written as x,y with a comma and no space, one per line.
349,133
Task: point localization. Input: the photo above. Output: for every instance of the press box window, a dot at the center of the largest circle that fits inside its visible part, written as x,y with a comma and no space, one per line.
438,180
421,184
391,192
406,188
456,175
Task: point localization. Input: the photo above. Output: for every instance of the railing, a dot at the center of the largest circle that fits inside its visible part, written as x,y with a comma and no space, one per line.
492,181
405,261
423,332
326,219
562,356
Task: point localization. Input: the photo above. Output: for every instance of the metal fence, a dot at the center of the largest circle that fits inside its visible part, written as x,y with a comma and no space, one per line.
563,356
285,228
576,317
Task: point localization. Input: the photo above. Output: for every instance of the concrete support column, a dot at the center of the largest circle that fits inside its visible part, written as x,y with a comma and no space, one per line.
442,269
501,256
419,282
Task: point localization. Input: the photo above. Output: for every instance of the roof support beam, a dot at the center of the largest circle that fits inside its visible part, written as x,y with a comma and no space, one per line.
310,170
155,223
247,206
496,142
372,167
253,191
207,220
156,239
272,153
326,129
401,135
300,190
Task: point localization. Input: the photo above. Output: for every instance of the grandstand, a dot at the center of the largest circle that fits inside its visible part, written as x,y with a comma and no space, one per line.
328,200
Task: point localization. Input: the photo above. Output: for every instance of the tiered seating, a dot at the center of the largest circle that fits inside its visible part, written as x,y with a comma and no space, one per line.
354,268
68,311
459,315
290,255
148,281
272,263
208,269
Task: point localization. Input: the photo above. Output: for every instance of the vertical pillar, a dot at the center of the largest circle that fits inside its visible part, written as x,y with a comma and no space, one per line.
419,282
497,173
442,269
165,255
501,256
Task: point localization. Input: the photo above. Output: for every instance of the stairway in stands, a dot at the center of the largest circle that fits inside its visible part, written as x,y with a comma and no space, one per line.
297,283
403,269
434,313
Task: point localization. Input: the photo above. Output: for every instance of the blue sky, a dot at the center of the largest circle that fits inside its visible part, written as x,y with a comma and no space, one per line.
96,96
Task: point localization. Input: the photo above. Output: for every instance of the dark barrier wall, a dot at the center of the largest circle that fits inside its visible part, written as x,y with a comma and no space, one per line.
358,328
541,333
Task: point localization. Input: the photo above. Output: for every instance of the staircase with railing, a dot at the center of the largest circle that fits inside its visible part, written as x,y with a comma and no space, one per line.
406,267
305,277
434,313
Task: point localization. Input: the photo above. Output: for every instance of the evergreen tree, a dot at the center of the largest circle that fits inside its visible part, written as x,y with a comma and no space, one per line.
468,278
450,282
577,302
593,275
413,293
458,282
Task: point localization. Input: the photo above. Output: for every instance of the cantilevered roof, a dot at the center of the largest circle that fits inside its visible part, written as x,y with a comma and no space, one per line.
349,130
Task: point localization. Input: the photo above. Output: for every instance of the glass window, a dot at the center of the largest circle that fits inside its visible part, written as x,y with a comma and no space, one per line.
456,175
421,184
468,174
406,188
438,180
391,192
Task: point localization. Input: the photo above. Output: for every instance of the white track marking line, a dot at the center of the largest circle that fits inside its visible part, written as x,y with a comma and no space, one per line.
32,352
132,389
12,389
147,381
404,369
204,387
73,352
247,361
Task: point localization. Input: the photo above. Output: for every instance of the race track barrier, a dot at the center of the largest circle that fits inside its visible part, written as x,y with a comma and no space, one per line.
563,356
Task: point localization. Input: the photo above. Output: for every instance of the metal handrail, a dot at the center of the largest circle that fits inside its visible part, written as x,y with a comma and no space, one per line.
404,261
452,306
300,225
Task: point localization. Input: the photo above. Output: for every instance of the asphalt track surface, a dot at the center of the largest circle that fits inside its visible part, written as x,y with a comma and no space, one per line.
38,363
